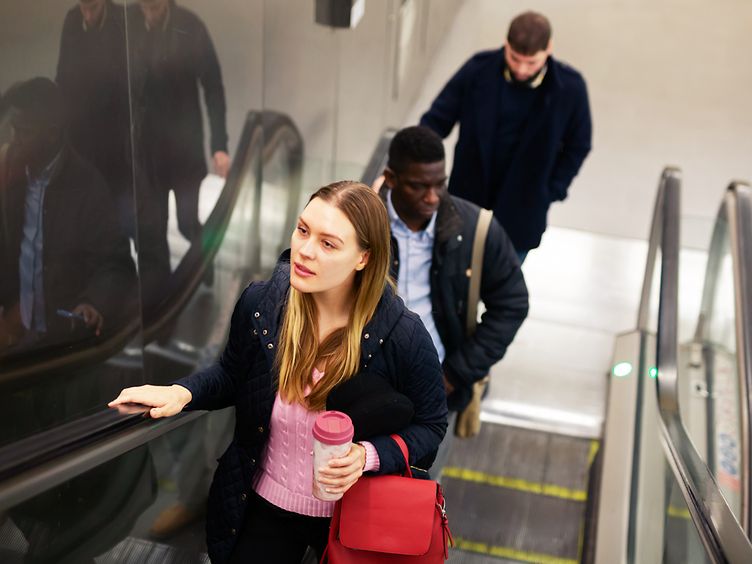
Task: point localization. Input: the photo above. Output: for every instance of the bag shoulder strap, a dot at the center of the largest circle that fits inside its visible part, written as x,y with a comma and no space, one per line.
476,268
403,448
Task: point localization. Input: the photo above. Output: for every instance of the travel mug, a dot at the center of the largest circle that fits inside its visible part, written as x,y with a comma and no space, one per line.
332,438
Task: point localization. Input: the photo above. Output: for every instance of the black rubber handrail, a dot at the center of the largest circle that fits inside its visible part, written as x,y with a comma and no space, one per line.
379,157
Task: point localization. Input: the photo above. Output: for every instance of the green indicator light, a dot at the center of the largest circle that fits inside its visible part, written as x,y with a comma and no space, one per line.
653,372
622,369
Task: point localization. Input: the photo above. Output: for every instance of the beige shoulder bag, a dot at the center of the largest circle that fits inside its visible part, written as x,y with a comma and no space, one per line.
468,421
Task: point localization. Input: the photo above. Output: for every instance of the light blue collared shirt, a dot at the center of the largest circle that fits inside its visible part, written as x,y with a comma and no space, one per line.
414,276
31,265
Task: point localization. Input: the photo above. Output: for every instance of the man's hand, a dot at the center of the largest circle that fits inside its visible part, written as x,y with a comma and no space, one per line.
11,327
7,337
92,317
221,163
448,386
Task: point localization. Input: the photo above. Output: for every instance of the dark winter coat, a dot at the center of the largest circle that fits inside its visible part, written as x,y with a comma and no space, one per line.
92,72
553,144
395,348
86,257
502,290
168,66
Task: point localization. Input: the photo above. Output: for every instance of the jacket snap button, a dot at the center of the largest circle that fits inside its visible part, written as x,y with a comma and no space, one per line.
243,497
369,356
260,429
381,341
459,237
270,346
255,332
256,315
264,331
253,461
366,336
233,532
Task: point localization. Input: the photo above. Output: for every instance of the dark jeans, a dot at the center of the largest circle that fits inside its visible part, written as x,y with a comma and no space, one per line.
186,188
153,217
442,455
271,535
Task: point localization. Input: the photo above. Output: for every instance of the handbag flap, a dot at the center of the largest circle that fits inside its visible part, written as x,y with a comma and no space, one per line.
390,514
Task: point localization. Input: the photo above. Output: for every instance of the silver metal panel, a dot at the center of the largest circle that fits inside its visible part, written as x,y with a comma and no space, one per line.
618,446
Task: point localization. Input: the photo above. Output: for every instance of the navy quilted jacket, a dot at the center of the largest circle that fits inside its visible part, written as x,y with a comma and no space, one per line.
395,347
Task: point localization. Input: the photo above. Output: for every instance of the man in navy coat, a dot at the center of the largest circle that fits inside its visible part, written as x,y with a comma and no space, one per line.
525,129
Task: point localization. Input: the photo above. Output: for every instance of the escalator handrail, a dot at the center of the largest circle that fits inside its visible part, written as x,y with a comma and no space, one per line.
379,157
132,431
261,128
643,316
739,212
731,231
719,531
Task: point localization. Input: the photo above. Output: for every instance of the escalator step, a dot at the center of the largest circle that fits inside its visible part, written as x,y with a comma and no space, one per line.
517,495
139,551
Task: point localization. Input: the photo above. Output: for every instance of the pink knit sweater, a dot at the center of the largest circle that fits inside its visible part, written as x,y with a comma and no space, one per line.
286,475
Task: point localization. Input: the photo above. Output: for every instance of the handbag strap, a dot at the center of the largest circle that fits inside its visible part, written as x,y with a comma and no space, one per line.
476,269
403,447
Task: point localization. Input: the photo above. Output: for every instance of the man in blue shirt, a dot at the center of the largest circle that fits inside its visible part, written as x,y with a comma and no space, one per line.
66,266
432,242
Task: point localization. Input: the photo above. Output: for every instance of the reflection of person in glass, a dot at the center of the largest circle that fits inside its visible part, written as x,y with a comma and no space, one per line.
326,331
173,55
63,258
92,73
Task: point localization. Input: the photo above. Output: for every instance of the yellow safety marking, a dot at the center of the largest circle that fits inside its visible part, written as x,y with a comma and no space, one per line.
594,446
581,540
510,553
679,512
518,484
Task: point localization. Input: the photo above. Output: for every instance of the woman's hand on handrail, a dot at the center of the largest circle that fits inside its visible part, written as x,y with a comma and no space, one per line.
164,401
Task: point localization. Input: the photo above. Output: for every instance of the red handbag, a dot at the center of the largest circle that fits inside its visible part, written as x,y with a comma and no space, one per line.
390,520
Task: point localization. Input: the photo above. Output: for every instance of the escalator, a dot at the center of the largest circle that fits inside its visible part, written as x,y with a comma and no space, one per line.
675,472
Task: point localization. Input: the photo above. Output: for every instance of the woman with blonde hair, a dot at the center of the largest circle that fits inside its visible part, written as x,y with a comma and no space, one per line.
326,331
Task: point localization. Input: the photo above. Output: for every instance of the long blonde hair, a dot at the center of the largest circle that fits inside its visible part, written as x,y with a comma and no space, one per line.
299,348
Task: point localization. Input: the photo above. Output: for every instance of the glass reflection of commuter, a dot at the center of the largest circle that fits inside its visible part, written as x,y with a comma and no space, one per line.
92,73
174,55
66,267
325,332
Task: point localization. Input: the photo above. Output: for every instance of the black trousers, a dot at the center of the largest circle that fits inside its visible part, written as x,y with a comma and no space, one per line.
271,535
